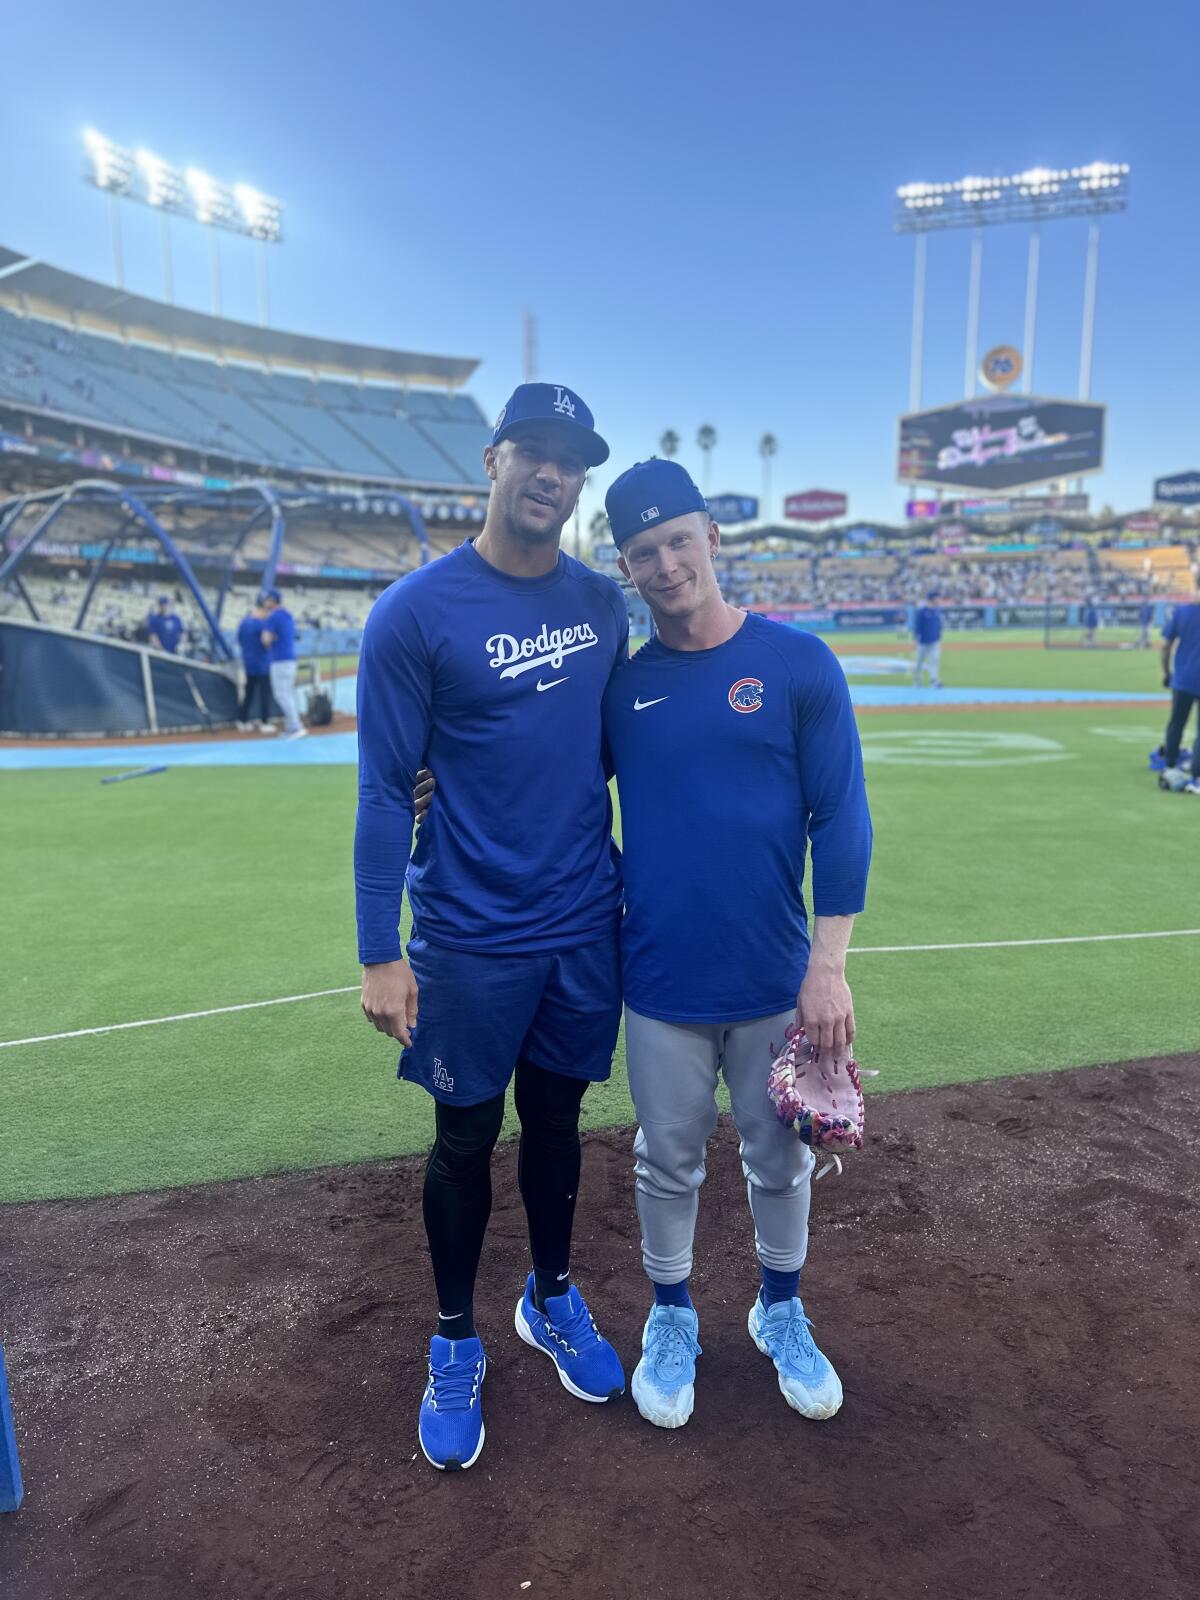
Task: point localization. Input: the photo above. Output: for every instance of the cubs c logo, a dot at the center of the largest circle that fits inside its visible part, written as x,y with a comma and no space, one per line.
746,695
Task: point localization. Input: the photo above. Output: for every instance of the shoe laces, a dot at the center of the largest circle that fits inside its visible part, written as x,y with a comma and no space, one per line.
576,1331
674,1346
797,1341
454,1387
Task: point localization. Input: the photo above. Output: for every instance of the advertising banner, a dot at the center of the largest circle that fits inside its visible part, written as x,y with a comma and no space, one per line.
1001,441
1181,489
1030,616
871,617
964,616
815,505
1144,522
733,508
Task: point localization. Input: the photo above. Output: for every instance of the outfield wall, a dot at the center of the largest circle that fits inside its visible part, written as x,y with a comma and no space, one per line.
992,614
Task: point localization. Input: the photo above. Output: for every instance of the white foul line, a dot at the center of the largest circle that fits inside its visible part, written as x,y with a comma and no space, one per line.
352,988
183,1016
1015,944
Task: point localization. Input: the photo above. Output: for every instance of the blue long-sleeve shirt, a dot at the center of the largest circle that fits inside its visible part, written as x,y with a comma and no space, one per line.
729,763
255,655
496,683
927,625
165,630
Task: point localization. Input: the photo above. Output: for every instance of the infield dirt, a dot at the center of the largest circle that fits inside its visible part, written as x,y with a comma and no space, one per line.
216,1388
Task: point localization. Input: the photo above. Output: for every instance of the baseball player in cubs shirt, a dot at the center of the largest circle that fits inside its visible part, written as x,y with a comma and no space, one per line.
490,664
735,748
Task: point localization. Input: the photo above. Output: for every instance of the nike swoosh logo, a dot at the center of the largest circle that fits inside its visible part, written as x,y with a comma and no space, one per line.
551,684
640,705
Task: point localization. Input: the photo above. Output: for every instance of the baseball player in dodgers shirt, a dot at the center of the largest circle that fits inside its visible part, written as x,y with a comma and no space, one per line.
491,664
734,745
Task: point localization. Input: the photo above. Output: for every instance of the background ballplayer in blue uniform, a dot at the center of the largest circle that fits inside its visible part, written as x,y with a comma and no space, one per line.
164,626
735,747
927,631
1182,676
279,635
490,664
256,659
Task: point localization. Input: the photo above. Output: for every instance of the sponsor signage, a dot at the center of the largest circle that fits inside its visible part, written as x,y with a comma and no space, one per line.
1001,366
1143,522
964,616
1025,616
605,553
815,505
871,617
733,508
1001,441
1029,504
1181,489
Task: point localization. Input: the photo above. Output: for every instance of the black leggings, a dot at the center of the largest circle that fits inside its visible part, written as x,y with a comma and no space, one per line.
1181,707
457,1199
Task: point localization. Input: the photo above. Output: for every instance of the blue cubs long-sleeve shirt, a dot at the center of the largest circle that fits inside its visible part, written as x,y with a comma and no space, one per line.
729,763
496,683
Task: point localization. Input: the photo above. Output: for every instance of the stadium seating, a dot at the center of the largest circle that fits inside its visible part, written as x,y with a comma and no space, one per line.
245,414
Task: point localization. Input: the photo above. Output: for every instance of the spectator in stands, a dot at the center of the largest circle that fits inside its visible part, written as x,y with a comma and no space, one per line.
927,631
164,626
279,636
1182,676
256,698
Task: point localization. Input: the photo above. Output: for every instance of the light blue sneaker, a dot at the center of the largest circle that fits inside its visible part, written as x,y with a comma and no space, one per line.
664,1381
588,1366
451,1424
806,1377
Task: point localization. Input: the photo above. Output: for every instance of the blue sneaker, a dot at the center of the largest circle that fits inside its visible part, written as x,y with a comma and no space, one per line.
451,1425
807,1379
588,1366
664,1379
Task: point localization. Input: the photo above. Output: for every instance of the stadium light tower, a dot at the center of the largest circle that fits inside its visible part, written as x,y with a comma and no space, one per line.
146,178
1041,194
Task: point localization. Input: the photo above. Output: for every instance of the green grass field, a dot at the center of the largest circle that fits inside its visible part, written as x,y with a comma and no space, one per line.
211,887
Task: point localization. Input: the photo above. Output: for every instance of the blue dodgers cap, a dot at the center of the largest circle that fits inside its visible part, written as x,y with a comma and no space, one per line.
272,594
649,493
552,402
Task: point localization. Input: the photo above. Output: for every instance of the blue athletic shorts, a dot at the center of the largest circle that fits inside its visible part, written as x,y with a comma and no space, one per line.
477,1015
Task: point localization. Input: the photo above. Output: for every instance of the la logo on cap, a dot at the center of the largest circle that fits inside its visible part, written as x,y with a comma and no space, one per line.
649,514
563,403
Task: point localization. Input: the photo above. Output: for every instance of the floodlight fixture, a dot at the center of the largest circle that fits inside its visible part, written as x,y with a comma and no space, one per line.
148,178
1035,195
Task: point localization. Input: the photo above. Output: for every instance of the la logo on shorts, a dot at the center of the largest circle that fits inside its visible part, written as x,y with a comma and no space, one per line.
746,695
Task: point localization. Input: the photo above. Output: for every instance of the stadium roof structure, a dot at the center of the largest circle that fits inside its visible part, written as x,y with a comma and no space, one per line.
35,288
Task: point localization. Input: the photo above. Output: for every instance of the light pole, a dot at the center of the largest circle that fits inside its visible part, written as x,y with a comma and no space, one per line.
142,176
768,445
1038,195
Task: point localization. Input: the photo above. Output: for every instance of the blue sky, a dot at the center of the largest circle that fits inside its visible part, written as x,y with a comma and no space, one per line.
694,200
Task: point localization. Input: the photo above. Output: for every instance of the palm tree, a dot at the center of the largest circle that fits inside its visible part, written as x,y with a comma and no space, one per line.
669,443
706,438
767,447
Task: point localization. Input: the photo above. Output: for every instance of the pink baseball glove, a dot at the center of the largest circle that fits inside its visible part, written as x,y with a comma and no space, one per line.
825,1107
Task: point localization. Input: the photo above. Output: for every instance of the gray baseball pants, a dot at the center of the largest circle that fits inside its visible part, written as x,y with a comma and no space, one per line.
673,1073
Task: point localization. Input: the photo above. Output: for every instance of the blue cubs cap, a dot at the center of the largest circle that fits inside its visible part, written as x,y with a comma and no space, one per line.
552,402
649,493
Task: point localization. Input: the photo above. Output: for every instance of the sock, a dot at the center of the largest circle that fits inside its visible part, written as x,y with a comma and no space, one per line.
457,1324
672,1294
549,1283
777,1286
